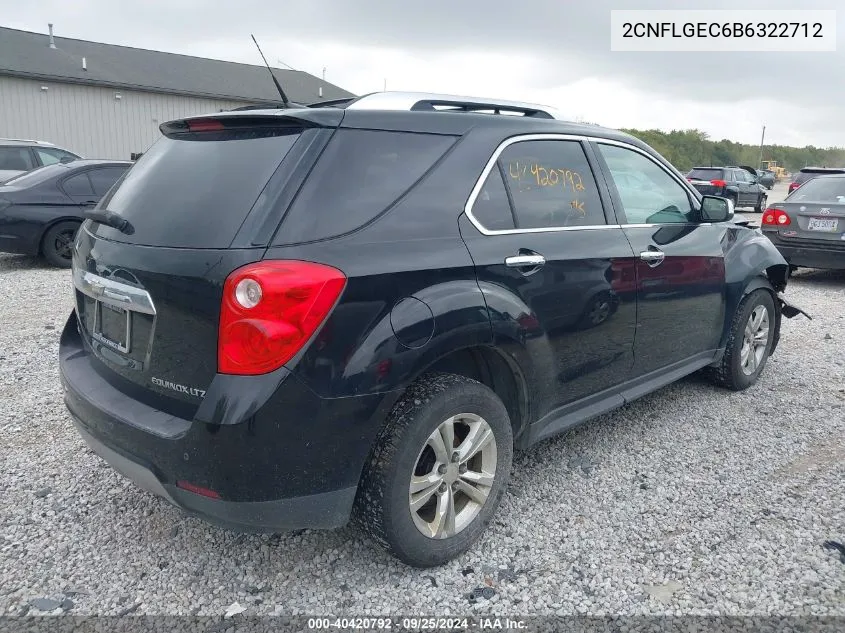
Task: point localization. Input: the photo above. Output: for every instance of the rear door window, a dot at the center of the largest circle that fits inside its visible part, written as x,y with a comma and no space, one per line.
195,192
103,178
360,175
551,185
492,208
78,186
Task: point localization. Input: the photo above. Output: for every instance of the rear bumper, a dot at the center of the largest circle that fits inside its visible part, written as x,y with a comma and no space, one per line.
323,510
290,460
811,255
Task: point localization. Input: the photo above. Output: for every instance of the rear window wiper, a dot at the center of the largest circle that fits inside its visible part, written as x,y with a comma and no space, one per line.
112,219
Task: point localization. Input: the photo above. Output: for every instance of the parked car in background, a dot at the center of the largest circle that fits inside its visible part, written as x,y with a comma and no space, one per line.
734,183
18,156
280,321
766,178
808,227
808,173
41,210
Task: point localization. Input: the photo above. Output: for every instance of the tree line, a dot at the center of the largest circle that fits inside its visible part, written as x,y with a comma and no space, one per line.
686,149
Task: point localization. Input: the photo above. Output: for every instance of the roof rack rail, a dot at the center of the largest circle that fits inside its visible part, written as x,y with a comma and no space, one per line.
421,101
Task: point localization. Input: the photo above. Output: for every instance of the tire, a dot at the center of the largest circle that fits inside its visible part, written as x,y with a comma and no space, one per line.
405,448
732,373
57,243
761,204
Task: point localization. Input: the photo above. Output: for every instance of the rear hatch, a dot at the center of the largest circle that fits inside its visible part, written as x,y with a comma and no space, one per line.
200,203
708,180
815,212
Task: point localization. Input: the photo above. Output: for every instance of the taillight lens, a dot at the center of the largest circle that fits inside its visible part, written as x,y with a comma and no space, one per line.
718,183
776,217
270,310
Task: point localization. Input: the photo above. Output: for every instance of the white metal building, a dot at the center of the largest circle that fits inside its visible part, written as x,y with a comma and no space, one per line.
106,101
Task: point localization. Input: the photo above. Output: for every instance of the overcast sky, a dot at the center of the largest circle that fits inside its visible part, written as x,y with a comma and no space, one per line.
555,52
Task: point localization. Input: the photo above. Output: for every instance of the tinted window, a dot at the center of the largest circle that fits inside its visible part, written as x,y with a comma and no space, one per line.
360,174
707,173
551,184
195,193
740,176
664,201
492,208
103,178
15,158
822,189
78,185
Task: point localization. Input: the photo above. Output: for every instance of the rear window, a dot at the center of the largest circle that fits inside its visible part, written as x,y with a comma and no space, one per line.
359,176
822,189
706,174
195,193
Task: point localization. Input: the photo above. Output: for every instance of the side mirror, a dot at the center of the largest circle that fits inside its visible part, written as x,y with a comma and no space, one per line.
716,209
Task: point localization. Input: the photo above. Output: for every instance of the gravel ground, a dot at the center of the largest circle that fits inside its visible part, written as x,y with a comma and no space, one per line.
691,500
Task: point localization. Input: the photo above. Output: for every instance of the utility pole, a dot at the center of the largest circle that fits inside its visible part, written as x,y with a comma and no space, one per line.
385,84
324,73
762,138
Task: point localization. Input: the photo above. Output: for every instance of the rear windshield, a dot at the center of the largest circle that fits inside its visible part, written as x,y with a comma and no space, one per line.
706,174
194,193
822,189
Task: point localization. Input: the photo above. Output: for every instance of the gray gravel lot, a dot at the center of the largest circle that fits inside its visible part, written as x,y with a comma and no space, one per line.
691,500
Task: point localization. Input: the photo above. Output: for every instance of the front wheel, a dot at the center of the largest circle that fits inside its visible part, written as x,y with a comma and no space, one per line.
761,204
749,342
437,472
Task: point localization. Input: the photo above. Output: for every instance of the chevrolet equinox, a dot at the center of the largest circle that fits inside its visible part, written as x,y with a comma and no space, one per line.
289,318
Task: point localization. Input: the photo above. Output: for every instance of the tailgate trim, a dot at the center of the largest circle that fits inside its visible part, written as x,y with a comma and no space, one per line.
113,292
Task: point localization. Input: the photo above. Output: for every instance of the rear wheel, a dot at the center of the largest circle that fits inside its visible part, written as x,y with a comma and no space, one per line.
437,472
749,342
57,244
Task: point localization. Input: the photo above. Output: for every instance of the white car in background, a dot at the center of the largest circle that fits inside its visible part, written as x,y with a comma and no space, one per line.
18,156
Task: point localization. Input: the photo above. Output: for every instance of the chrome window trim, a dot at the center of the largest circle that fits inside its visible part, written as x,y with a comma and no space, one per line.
491,163
113,292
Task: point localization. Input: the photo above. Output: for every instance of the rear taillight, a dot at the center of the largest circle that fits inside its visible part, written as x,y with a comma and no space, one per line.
270,310
718,183
793,186
776,217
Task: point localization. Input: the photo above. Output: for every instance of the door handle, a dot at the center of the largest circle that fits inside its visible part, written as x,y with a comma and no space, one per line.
523,261
652,258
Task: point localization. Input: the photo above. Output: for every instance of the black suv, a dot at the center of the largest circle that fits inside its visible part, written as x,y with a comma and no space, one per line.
285,318
737,184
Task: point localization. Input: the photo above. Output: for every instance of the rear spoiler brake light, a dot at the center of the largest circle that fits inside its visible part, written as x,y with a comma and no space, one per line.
233,124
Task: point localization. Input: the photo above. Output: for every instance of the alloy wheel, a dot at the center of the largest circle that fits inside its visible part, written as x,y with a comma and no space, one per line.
754,341
453,476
